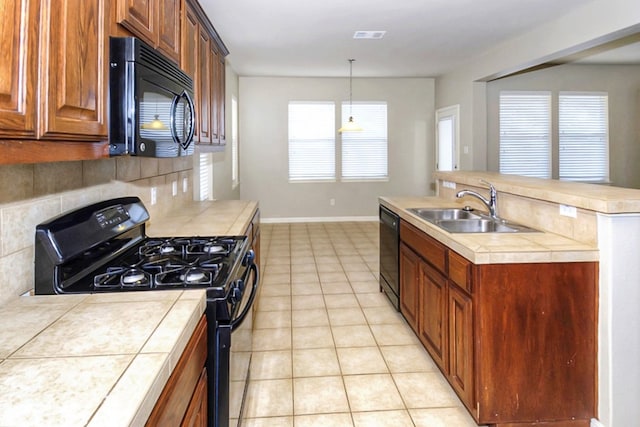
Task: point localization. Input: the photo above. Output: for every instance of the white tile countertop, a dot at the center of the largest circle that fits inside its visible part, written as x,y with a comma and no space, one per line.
95,360
493,248
207,218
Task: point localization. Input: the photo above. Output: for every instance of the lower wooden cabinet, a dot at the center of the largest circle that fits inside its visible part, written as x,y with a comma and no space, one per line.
460,314
409,285
196,415
432,314
183,401
517,342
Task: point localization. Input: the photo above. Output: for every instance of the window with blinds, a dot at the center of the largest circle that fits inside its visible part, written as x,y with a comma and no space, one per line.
525,133
364,153
583,127
205,176
312,150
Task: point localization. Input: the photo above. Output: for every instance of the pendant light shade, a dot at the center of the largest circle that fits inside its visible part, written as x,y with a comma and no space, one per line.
155,124
351,125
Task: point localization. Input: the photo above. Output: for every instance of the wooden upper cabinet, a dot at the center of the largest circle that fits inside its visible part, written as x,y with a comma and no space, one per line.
203,58
221,97
18,68
215,94
138,17
204,87
169,28
155,21
190,55
73,81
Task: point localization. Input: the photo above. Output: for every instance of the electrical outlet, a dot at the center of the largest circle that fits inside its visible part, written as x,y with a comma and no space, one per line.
154,195
185,185
174,188
332,202
569,211
449,184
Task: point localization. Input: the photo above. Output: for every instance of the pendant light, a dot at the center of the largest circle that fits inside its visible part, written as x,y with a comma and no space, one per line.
350,126
155,124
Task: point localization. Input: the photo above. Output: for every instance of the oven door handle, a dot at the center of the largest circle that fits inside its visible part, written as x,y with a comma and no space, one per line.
235,323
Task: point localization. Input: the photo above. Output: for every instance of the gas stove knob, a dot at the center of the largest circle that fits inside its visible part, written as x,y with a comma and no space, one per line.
236,291
248,258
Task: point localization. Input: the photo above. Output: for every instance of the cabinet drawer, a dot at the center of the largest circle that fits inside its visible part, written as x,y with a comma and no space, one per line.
428,248
459,270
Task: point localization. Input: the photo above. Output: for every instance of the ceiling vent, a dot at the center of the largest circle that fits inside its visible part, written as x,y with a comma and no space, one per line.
374,35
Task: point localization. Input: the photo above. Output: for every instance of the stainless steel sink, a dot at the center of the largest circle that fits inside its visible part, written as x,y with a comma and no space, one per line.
443,214
463,221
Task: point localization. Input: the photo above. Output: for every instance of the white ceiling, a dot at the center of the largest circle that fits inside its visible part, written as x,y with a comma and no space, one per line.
424,38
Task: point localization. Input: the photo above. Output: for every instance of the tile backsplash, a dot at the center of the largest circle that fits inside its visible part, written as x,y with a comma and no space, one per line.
33,193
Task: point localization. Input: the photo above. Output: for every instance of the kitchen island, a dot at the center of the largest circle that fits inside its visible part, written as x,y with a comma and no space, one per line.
578,223
104,359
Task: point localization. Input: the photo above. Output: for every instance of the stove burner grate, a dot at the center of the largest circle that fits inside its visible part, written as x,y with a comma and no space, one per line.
123,277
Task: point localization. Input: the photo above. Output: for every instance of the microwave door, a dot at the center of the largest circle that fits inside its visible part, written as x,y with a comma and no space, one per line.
183,120
155,122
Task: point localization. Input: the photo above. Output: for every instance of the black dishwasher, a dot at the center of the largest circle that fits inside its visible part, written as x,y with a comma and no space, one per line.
389,244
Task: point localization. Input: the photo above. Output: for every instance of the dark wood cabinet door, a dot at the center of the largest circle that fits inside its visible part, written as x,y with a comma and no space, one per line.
168,34
221,113
409,289
180,402
461,344
215,88
432,314
138,17
204,77
74,75
196,415
190,62
18,68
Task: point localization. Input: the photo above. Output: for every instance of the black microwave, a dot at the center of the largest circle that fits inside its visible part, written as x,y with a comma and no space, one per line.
151,110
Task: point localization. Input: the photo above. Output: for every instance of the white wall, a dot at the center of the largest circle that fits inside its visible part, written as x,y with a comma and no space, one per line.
263,107
222,185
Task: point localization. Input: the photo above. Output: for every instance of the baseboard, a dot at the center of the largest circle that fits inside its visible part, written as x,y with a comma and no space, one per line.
320,219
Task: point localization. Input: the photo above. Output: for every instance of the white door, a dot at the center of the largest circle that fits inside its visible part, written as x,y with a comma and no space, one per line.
447,132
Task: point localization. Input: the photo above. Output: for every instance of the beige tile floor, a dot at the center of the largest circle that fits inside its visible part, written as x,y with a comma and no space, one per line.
329,350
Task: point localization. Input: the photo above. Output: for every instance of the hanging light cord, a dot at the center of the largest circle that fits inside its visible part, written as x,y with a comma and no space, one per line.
351,87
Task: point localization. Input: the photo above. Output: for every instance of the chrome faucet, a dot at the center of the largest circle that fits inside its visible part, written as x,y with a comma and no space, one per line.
491,204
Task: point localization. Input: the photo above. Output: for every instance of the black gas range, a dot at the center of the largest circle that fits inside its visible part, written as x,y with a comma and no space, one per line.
103,247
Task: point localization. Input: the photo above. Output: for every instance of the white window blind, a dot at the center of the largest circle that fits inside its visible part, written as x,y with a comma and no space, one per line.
525,133
583,126
364,153
234,142
312,141
205,176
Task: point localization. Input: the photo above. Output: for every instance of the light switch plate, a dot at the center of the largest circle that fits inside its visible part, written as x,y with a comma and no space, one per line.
154,195
174,188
